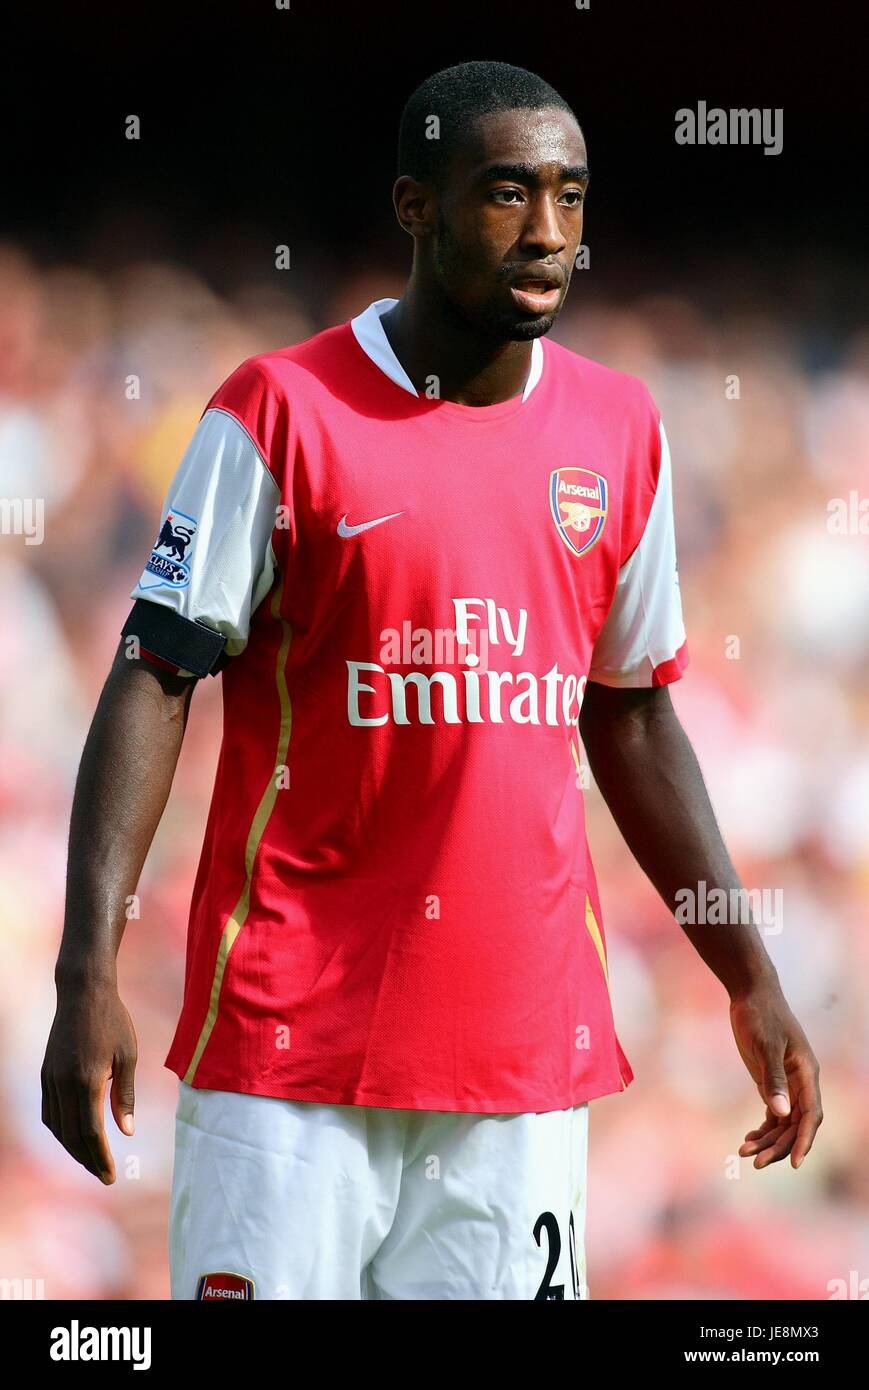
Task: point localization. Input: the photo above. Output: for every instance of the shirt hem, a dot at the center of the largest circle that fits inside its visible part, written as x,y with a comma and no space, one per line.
324,1095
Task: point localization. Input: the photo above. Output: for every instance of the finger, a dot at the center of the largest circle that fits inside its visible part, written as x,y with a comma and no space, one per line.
772,1122
68,1126
123,1094
811,1118
764,1141
769,1123
46,1099
53,1105
780,1149
773,1084
808,1128
91,1109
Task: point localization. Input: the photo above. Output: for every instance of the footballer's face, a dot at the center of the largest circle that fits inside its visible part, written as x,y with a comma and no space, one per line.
509,221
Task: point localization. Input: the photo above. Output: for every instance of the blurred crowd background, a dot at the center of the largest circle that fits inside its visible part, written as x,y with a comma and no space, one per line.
732,283
776,701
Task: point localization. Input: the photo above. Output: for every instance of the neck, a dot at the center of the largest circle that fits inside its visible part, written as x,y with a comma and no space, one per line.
430,339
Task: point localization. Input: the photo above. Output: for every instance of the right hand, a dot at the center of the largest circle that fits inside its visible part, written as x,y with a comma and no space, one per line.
92,1041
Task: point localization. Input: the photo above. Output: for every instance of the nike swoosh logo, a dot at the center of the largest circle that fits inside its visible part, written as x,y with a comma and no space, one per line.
345,530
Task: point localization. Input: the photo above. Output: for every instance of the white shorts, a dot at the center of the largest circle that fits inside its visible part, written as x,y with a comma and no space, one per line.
289,1199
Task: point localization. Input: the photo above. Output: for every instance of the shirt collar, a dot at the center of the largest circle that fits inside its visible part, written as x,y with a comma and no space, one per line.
372,339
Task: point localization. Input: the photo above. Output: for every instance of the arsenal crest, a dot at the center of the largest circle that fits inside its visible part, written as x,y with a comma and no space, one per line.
224,1286
578,502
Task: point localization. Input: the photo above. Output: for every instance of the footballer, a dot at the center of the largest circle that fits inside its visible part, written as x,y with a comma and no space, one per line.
426,551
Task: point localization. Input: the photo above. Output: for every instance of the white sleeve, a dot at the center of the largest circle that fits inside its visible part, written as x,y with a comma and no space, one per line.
642,641
213,558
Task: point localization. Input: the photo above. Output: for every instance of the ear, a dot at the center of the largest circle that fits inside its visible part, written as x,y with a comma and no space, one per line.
415,206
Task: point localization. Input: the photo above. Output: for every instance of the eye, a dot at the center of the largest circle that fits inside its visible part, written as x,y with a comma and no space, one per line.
576,195
507,196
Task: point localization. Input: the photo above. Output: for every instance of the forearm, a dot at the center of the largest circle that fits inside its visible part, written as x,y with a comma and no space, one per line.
121,791
651,781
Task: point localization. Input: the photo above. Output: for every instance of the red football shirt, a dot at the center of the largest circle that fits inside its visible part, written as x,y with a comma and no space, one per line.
395,904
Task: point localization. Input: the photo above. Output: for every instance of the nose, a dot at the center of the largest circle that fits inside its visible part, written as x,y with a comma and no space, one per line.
542,231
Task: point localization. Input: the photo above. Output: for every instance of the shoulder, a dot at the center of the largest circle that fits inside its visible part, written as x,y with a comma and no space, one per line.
604,385
268,393
286,371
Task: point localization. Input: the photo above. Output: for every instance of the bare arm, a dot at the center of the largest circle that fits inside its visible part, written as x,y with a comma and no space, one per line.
648,774
121,791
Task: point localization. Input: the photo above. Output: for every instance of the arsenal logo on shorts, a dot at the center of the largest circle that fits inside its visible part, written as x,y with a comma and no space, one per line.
226,1287
578,502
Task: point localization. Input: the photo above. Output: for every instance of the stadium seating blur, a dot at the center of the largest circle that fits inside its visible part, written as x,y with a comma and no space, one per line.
102,379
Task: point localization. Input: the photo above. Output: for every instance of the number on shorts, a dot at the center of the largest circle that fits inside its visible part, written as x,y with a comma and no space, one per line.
549,1291
546,1220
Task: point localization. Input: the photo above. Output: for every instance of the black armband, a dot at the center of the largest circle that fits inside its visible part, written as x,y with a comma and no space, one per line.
185,642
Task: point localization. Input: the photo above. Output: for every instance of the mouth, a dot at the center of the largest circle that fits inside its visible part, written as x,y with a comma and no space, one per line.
537,294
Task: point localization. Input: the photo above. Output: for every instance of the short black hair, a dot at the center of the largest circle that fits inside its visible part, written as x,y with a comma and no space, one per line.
456,96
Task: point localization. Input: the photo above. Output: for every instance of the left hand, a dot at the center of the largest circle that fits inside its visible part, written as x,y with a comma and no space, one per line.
780,1061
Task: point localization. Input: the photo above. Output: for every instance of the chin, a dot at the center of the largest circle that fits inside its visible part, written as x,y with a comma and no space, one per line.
509,326
524,329
507,321
504,322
